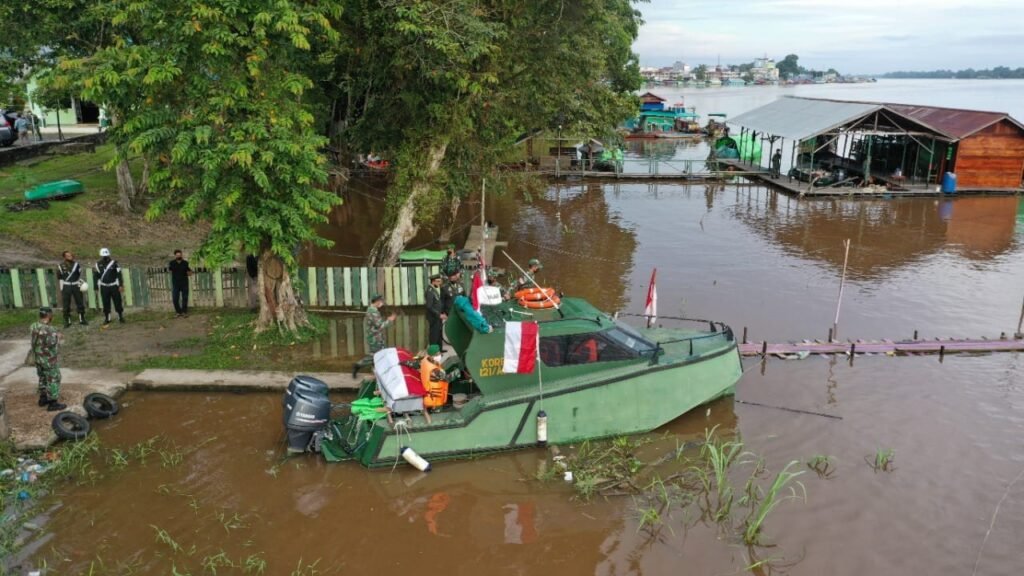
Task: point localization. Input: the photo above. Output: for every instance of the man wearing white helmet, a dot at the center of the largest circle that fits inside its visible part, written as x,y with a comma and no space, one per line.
110,284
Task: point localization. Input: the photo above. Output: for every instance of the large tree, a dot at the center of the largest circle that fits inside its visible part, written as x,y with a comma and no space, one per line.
220,92
443,88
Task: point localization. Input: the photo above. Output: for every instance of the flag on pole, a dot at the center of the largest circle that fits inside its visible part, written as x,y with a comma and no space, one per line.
474,290
651,310
520,347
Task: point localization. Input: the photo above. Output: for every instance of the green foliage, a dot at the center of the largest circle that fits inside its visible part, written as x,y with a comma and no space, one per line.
883,461
789,66
779,491
214,93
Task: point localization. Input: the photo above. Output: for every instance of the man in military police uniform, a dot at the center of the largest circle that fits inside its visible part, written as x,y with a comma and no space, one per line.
110,284
46,347
436,314
452,288
70,283
374,326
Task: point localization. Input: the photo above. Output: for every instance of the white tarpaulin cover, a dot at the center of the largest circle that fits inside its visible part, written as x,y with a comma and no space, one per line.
400,385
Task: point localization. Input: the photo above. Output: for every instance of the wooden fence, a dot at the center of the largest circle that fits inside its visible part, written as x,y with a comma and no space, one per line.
228,288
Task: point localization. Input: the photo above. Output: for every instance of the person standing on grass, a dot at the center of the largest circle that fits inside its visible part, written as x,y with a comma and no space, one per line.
23,127
70,282
110,284
45,348
179,284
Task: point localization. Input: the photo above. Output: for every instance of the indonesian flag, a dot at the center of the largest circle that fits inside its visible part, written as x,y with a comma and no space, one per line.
651,310
520,347
478,281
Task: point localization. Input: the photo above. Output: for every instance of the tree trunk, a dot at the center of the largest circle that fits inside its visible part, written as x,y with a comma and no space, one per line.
125,186
143,187
404,227
446,233
279,306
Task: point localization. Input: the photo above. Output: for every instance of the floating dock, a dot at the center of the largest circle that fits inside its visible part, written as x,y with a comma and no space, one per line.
887,347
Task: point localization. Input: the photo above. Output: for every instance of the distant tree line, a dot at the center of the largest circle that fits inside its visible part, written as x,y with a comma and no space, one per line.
999,72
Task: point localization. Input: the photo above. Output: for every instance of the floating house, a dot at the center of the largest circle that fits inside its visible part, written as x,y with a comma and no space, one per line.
829,142
651,102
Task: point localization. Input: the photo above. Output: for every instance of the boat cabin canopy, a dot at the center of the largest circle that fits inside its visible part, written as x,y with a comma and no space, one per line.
574,339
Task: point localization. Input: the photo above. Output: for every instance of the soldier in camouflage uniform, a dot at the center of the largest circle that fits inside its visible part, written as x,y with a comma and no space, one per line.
46,347
450,263
373,326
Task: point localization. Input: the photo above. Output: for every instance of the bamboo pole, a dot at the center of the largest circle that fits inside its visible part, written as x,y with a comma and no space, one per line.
842,284
1019,334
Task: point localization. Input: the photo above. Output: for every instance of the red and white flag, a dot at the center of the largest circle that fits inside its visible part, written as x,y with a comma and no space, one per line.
520,347
478,281
651,310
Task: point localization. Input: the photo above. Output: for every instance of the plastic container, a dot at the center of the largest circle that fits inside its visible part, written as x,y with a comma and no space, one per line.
949,183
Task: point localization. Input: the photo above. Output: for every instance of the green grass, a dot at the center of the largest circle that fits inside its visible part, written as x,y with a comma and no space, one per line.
883,461
777,493
12,320
232,345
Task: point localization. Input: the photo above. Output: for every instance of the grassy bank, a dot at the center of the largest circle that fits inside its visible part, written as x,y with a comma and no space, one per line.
86,222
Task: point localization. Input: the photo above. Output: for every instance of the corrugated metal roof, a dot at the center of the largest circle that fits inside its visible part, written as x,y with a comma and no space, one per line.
802,118
953,122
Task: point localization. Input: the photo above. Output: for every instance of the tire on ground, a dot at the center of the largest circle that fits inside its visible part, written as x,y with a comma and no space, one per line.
70,426
100,406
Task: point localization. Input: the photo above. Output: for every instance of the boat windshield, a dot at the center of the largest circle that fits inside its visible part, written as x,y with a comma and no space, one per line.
630,338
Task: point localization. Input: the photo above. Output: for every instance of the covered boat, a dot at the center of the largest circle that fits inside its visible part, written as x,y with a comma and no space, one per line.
55,190
594,377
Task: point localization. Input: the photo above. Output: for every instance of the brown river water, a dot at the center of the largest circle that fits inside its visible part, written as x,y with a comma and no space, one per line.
735,253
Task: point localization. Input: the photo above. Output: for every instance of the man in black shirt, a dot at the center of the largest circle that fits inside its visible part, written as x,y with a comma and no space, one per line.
179,284
70,283
110,283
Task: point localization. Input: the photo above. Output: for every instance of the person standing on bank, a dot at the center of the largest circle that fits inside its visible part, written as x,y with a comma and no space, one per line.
70,283
777,163
374,326
436,314
179,284
110,284
46,348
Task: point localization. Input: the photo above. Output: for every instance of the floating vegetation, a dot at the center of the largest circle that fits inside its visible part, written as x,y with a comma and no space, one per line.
715,480
883,461
822,466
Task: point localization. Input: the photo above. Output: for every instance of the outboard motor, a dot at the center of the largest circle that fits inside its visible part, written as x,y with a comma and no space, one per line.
307,411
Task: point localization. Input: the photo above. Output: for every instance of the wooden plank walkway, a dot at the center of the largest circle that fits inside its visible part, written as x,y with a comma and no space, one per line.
888,347
803,189
491,243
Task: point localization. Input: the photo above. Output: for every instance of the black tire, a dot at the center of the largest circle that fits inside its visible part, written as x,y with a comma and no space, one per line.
70,426
100,406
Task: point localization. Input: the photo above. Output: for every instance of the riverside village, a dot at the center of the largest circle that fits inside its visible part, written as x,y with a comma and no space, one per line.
601,287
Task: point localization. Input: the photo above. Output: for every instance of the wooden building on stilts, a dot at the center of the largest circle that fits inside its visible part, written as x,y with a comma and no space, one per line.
827,144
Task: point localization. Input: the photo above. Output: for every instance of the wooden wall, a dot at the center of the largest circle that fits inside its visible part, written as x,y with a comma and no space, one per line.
991,158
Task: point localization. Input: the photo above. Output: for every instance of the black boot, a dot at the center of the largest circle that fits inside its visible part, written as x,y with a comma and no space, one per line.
120,318
355,370
55,406
81,319
67,321
106,319
43,399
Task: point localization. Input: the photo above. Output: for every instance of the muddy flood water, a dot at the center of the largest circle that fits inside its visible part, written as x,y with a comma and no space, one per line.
217,482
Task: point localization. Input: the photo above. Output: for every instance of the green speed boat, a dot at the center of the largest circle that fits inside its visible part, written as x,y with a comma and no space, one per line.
596,377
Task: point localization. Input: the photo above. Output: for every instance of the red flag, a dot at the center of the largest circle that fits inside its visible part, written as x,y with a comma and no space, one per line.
520,347
651,310
478,283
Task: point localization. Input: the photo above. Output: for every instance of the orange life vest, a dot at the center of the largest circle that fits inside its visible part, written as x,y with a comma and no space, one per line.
437,389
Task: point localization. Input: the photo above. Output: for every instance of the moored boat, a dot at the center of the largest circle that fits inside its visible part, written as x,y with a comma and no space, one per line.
55,190
594,377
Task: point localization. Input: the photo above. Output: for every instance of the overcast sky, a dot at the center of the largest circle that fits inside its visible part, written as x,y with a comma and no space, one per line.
853,36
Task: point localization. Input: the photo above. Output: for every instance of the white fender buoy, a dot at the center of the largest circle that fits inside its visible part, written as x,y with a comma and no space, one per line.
414,459
542,428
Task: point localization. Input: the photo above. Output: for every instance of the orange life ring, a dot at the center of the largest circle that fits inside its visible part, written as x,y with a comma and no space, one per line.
540,304
535,294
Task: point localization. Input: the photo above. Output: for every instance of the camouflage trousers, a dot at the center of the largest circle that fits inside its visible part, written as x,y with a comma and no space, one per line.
49,380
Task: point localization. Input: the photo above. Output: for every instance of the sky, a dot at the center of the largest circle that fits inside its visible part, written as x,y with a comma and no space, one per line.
852,36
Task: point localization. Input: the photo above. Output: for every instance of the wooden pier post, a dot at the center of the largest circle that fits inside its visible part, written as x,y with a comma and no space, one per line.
1019,334
764,349
744,334
842,284
830,335
915,335
942,352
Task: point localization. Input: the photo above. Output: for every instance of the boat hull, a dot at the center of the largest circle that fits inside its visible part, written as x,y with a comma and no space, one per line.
627,401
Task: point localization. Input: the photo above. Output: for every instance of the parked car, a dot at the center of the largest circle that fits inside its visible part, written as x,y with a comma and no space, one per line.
8,135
